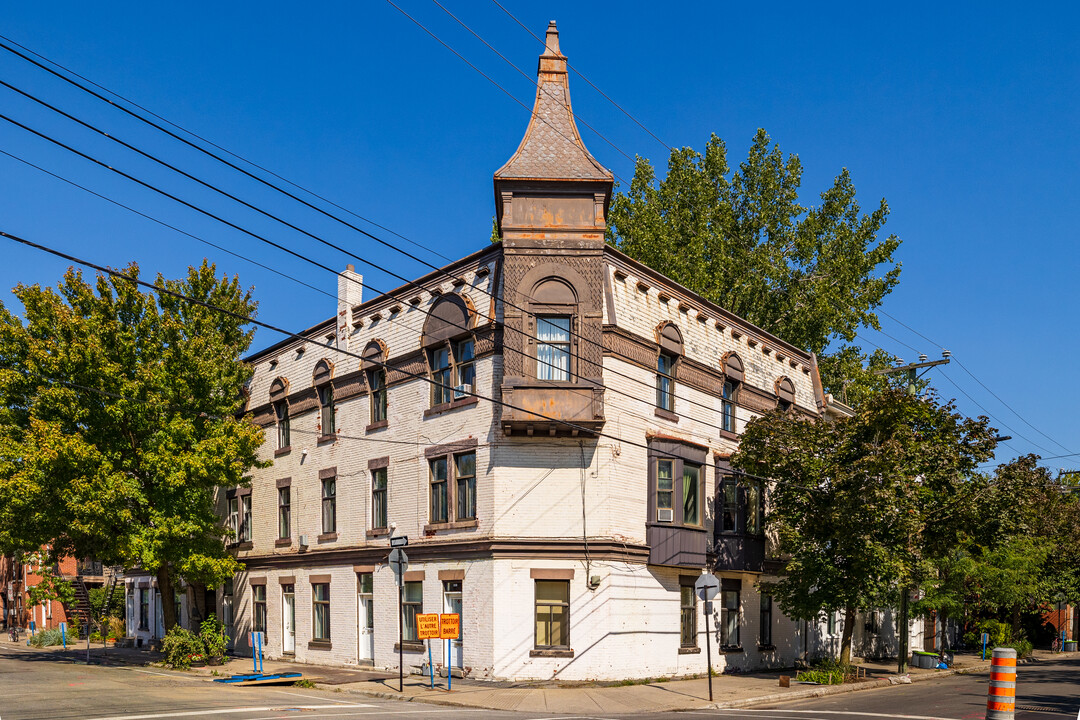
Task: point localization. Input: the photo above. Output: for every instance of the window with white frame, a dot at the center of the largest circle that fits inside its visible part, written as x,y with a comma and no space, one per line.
553,347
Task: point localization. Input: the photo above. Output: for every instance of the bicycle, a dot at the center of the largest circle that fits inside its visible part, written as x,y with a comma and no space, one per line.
13,633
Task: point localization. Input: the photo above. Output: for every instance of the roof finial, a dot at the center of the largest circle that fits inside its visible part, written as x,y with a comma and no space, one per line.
552,40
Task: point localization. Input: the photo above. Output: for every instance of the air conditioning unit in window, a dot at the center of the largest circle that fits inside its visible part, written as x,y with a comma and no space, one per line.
303,541
461,391
665,515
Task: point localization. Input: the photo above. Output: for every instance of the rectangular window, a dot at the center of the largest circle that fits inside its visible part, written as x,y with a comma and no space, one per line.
378,498
691,494
377,383
326,404
465,476
665,383
464,357
727,407
329,505
729,495
552,614
234,517
245,518
320,605
412,605
553,347
441,389
258,604
439,510
729,618
765,626
144,609
831,626
665,490
284,513
688,624
281,411
754,509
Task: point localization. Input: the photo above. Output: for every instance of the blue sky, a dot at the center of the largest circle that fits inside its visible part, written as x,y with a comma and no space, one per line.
963,116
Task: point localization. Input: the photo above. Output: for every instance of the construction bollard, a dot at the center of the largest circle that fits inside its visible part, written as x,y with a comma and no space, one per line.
1001,695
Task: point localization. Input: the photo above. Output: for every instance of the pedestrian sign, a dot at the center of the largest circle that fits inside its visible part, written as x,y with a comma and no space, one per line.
427,626
449,626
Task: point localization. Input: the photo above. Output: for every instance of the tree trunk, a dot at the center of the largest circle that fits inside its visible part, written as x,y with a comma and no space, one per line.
902,636
849,633
168,598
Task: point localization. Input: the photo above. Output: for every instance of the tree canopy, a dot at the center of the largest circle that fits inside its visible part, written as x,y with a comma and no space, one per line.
119,416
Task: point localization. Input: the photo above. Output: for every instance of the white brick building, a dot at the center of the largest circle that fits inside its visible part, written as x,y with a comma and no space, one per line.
565,523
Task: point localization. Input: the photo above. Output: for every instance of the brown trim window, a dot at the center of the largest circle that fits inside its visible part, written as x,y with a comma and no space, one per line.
284,512
688,634
329,505
691,487
740,504
327,423
377,391
439,490
320,612
665,382
379,505
552,615
765,624
453,371
729,505
665,490
465,364
281,416
465,486
729,613
676,484
412,604
245,518
258,605
727,406
233,520
553,347
442,391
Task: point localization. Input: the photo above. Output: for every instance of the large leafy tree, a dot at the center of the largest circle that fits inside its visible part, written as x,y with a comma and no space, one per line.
741,238
119,416
860,504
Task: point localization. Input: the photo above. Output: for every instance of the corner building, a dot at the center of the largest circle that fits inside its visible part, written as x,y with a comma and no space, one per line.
568,520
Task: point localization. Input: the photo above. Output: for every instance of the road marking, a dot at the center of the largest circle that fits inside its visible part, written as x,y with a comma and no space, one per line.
311,697
227,711
849,712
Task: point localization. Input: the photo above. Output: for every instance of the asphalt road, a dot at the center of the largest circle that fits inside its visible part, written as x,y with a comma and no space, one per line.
36,686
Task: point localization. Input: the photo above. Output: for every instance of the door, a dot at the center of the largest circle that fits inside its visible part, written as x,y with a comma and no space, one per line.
452,604
930,632
288,619
365,620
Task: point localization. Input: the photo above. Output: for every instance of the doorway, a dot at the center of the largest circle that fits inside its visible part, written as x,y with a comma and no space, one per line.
288,619
452,604
365,619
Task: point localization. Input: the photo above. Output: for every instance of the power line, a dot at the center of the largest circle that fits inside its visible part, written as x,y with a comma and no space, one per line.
1028,440
667,146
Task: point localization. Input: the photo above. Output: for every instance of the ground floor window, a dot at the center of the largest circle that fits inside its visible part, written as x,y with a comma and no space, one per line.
320,601
258,603
144,609
729,618
765,628
688,625
552,614
412,604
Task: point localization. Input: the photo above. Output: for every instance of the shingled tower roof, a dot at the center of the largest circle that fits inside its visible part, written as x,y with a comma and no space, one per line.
552,147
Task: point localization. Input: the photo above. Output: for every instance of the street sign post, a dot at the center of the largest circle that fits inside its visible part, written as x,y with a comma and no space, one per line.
449,630
427,628
399,561
706,588
399,542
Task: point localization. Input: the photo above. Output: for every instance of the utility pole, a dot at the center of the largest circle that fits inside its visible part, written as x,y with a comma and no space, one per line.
905,591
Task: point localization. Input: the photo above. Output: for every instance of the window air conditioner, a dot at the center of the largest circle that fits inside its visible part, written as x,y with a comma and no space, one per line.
303,541
665,515
461,391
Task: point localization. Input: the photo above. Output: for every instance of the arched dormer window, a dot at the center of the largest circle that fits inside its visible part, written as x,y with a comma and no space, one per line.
322,379
373,365
670,343
449,345
785,394
733,379
279,399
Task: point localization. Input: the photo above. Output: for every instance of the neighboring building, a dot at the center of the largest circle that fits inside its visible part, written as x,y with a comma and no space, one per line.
567,521
16,578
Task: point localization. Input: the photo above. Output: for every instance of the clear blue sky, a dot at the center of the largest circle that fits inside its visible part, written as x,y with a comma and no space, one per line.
963,117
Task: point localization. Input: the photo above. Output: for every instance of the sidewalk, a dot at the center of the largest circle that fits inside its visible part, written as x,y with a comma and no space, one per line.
729,691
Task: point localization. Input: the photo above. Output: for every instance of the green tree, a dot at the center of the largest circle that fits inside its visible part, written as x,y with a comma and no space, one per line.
741,238
861,502
119,416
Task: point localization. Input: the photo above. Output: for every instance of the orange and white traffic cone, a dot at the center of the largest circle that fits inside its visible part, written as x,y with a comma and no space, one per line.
1001,696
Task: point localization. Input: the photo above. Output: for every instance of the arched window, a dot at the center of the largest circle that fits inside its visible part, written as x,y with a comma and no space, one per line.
733,378
374,357
785,394
450,348
279,399
553,303
322,380
670,342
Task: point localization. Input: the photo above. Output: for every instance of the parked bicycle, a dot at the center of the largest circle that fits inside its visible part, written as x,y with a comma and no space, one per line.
13,633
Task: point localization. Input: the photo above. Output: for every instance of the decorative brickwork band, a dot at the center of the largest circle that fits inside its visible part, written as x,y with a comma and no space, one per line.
1001,695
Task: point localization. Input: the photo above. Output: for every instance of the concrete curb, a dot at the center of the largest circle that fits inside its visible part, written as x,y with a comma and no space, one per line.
433,700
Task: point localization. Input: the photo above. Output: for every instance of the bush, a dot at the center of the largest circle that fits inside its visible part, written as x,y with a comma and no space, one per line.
45,638
821,677
215,641
116,628
1023,647
181,647
999,632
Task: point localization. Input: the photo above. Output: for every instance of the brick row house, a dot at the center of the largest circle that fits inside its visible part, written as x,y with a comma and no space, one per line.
567,521
18,576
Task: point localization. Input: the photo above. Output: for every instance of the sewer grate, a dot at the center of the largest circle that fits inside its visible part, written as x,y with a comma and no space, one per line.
1044,708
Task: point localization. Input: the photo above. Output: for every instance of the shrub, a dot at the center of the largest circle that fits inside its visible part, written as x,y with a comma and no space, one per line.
181,647
45,638
999,633
116,628
821,677
215,641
